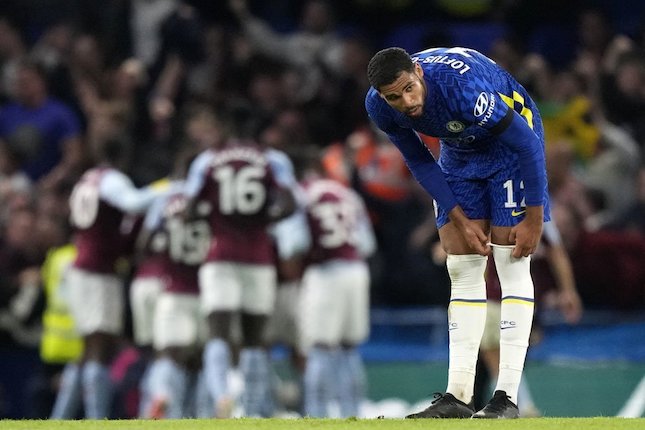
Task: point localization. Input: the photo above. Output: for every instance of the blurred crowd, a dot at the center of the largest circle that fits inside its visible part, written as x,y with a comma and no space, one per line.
76,72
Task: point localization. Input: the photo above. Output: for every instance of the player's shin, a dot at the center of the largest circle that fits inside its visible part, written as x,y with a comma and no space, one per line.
69,398
217,362
517,317
466,320
254,364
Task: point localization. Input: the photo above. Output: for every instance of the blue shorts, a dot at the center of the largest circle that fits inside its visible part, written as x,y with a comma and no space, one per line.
498,198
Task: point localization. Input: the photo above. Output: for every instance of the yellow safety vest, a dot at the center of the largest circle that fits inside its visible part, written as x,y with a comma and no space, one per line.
60,342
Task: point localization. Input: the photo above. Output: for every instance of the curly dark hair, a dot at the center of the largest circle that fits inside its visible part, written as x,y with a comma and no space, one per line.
386,65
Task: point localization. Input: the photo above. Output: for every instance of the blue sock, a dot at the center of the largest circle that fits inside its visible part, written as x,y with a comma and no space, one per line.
254,364
217,361
97,390
351,382
144,392
68,399
203,400
169,381
319,374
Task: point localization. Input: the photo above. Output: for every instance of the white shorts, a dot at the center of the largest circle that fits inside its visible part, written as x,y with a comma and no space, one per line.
335,304
96,301
226,286
144,293
283,323
178,321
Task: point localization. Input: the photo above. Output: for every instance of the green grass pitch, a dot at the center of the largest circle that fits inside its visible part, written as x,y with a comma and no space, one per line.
332,424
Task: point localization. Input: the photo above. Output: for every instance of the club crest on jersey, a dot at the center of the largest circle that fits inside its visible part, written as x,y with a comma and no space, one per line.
481,104
455,126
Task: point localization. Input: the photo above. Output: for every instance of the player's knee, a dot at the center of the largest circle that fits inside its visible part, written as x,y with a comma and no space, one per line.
467,272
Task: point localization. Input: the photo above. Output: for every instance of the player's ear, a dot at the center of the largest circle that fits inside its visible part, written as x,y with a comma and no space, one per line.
418,70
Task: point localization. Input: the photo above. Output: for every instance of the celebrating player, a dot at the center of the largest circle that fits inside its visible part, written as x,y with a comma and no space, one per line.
235,183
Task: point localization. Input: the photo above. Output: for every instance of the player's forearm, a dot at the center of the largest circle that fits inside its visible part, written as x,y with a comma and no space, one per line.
424,168
534,214
562,269
521,139
458,217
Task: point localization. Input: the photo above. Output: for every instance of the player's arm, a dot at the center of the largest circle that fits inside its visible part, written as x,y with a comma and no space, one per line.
557,256
514,132
195,180
119,191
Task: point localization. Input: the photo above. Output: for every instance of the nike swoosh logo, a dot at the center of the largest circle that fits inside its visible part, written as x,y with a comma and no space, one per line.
517,213
504,328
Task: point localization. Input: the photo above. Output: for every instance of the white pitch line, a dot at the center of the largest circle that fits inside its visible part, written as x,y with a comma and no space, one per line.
635,405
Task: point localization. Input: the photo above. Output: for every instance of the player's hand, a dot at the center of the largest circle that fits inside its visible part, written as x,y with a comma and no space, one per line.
475,237
526,235
471,231
570,305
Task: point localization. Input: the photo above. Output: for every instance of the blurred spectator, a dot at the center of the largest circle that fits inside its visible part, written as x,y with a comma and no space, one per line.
594,32
531,70
146,20
632,219
44,130
622,89
608,263
311,49
12,48
12,180
568,114
60,343
20,259
614,167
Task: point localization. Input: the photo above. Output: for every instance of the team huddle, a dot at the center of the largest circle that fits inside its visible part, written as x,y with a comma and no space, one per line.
210,247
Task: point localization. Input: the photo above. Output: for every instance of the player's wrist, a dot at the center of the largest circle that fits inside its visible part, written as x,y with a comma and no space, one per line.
535,213
457,216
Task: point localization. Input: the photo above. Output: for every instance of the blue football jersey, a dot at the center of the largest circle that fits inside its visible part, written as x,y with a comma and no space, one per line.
468,95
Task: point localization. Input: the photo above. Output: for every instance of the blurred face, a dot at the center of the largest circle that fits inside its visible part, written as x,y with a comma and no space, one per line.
30,88
316,17
407,93
204,131
20,229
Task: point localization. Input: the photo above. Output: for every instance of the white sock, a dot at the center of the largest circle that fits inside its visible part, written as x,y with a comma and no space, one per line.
517,317
466,320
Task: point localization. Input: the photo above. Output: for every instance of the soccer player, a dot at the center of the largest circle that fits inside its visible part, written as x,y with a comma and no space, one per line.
334,314
235,182
179,329
489,181
98,204
145,288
